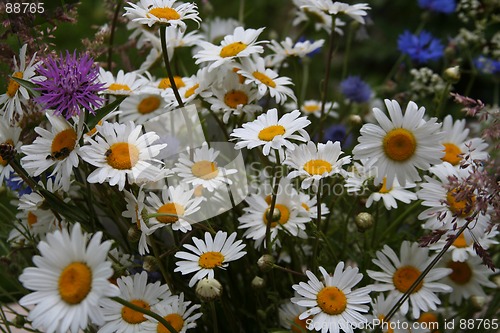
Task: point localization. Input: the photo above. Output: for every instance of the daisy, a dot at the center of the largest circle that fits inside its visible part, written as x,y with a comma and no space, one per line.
332,303
177,312
445,212
309,204
313,107
306,13
214,30
313,163
8,135
123,84
456,142
269,131
381,307
242,43
203,169
162,12
136,290
140,108
208,254
398,274
467,278
289,48
17,94
401,144
266,79
356,11
120,152
176,201
56,148
289,317
69,280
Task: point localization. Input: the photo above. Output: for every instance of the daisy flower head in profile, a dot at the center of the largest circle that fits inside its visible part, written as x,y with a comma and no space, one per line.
399,273
57,148
313,107
123,84
180,314
122,153
203,169
314,162
136,290
254,70
140,108
401,145
10,101
270,132
8,135
356,11
306,12
290,49
176,201
163,12
240,44
289,317
208,254
332,303
69,280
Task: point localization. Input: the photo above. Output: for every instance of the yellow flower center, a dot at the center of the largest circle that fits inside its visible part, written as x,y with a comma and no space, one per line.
311,108
461,208
399,144
122,155
165,83
32,219
175,320
132,316
205,170
429,318
461,273
452,153
191,90
381,319
384,188
13,85
460,242
317,167
331,300
148,105
299,325
170,208
404,277
268,133
63,144
264,79
235,98
232,49
75,282
211,260
118,86
198,191
2,161
281,214
166,13
94,130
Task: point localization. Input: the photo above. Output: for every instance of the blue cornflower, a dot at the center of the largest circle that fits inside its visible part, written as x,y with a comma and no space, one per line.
421,48
16,184
338,133
70,83
438,6
355,89
487,65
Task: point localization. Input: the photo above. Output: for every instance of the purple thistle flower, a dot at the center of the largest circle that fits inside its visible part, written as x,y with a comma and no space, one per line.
355,89
422,47
70,83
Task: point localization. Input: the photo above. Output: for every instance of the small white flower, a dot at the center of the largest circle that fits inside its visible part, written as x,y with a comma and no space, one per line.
123,84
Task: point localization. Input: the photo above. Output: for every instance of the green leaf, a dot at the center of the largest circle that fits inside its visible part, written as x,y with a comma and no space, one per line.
28,85
70,212
102,112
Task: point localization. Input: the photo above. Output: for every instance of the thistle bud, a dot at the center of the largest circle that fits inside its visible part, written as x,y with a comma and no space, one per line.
208,289
364,221
266,262
258,282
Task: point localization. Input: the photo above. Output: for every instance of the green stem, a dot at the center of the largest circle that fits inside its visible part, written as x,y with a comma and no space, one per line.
163,37
134,307
318,225
156,253
274,195
305,81
442,99
112,34
214,316
348,48
241,11
395,224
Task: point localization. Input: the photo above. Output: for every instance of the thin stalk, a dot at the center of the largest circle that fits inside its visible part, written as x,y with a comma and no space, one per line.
305,81
288,270
163,271
214,316
220,124
318,225
112,33
241,11
389,230
134,307
347,49
163,37
274,195
441,102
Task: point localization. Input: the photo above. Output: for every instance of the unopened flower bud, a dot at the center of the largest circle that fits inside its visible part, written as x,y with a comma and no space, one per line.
355,120
266,262
19,321
452,74
258,282
364,221
133,234
150,264
478,302
208,289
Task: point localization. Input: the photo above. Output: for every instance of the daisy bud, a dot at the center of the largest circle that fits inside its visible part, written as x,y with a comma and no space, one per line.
266,262
478,302
208,289
364,221
133,234
355,120
452,74
19,321
258,282
150,264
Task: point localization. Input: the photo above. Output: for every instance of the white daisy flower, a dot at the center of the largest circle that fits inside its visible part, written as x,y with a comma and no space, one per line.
208,254
310,205
176,201
140,108
289,48
313,107
177,312
242,43
467,278
136,290
10,102
445,212
456,142
8,135
269,131
123,84
401,144
461,249
289,317
214,30
162,12
69,280
398,274
56,148
203,169
120,152
322,21
356,11
266,79
381,307
332,303
313,163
